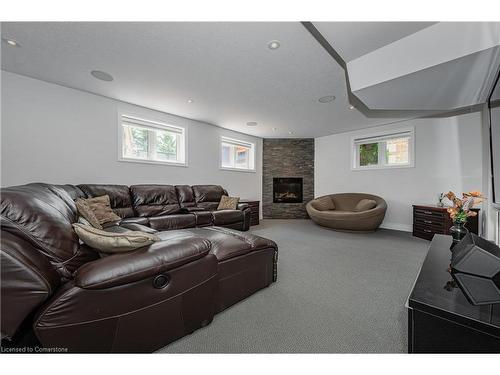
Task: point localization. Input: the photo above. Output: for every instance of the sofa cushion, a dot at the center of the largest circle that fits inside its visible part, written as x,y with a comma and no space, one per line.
169,222
113,241
323,204
227,216
154,200
162,256
208,196
97,211
365,205
228,203
185,195
225,243
119,196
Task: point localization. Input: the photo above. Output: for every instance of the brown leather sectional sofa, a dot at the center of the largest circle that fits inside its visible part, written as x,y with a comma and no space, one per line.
138,301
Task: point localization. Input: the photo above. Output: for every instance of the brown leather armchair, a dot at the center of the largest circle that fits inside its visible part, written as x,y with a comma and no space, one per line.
137,301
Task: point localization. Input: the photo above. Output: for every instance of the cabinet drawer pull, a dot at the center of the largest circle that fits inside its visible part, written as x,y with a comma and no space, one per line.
427,231
428,212
427,222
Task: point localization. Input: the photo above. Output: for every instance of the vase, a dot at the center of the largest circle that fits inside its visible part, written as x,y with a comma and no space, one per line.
458,231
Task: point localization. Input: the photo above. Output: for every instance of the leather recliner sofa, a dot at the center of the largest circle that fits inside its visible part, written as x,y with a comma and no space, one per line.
69,297
165,207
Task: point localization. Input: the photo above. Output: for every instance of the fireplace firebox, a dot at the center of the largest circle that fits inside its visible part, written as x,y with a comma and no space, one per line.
287,190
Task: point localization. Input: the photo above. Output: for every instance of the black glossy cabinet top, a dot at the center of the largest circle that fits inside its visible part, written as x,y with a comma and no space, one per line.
432,294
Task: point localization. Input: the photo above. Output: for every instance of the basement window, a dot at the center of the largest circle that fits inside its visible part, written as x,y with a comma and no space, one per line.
150,141
392,149
237,155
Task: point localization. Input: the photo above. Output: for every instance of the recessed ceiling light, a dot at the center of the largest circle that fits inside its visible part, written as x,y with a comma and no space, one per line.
103,76
251,123
290,133
275,129
190,101
274,44
11,42
326,99
351,107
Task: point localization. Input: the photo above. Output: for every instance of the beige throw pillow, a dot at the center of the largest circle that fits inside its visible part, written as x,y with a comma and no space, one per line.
323,204
113,242
365,205
228,203
97,211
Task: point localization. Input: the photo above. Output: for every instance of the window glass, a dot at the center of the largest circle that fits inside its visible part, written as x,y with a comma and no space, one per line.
151,141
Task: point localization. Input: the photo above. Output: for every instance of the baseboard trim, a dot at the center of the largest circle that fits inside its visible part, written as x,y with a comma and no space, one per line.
397,226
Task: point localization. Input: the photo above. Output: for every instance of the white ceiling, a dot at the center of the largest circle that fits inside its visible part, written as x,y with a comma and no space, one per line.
226,68
354,39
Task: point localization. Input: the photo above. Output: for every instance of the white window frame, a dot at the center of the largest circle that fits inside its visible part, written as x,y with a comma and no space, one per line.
150,123
251,169
380,136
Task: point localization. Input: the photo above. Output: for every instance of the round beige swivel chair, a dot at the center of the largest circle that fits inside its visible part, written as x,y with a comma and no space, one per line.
353,212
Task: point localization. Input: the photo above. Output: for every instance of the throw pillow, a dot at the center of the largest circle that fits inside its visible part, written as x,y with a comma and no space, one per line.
365,205
97,211
113,242
323,204
228,203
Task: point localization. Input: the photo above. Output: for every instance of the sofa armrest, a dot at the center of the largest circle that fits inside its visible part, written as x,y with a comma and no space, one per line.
246,215
120,269
242,206
28,280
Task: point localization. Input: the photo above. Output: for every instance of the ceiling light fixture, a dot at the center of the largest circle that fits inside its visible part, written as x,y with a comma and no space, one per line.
326,99
251,123
103,76
11,42
351,107
274,44
275,129
290,133
190,101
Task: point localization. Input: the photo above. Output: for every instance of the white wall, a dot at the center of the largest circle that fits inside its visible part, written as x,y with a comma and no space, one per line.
55,134
447,157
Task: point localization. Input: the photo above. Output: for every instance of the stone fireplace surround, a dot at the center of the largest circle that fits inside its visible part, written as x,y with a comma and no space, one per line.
287,158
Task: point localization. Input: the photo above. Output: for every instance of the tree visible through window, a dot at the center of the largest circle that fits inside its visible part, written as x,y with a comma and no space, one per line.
368,154
143,141
384,151
166,146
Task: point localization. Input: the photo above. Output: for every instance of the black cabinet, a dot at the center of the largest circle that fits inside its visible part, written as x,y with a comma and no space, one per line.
440,318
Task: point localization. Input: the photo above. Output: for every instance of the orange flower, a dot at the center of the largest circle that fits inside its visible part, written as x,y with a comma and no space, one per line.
461,208
450,195
475,194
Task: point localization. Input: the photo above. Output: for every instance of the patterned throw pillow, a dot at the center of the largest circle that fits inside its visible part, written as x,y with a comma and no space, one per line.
113,242
228,203
97,211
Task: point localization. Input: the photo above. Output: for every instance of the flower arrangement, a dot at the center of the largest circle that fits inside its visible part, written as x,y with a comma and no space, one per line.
461,208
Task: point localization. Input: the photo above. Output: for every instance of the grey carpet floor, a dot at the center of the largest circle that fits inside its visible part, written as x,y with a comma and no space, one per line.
336,293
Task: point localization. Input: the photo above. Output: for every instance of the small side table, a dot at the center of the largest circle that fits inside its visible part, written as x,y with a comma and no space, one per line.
254,211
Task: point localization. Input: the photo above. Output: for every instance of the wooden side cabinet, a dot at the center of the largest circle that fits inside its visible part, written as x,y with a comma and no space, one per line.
429,220
254,211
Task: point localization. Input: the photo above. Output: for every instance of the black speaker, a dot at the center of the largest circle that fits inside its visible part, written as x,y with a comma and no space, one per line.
475,266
